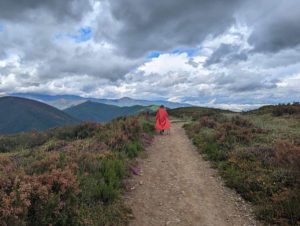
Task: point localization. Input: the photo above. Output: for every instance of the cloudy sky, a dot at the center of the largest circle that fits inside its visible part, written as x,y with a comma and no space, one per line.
235,54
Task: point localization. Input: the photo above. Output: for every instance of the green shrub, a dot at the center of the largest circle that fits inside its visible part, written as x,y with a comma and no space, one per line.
133,149
148,127
21,141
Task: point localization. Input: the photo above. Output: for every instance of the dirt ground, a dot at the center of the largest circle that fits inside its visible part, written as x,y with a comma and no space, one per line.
177,187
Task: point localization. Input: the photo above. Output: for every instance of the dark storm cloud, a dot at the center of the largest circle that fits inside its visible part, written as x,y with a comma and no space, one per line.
239,81
252,86
162,25
89,62
275,23
62,9
226,53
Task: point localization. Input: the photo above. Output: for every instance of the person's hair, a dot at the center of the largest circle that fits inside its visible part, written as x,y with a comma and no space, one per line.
162,106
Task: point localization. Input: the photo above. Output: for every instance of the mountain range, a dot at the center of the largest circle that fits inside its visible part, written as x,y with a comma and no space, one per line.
67,101
98,112
18,114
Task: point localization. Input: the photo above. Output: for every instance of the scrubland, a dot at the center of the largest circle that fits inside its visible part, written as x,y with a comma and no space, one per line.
71,175
257,153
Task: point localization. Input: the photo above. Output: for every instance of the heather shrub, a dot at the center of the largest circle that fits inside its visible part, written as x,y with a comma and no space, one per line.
81,131
69,176
207,122
241,122
229,134
287,154
286,109
21,141
38,199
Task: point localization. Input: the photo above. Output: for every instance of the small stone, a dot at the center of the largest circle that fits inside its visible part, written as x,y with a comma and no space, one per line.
141,182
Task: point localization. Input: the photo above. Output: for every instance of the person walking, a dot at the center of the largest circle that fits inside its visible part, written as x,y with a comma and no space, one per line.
162,120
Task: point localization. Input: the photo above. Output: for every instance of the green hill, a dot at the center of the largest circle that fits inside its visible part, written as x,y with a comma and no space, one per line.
195,112
278,110
98,112
20,114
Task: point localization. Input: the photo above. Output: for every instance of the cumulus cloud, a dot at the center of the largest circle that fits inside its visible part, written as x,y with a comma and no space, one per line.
237,54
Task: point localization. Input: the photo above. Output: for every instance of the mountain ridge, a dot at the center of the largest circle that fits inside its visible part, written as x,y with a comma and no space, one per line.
99,112
66,101
19,114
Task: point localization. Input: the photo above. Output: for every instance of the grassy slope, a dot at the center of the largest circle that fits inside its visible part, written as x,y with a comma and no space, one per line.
257,153
91,111
19,114
69,176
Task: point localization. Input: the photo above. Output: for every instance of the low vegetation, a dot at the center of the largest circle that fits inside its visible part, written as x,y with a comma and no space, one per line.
257,153
71,175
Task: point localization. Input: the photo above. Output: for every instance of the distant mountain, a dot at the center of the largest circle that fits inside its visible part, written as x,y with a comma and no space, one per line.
126,101
66,101
20,114
98,112
58,101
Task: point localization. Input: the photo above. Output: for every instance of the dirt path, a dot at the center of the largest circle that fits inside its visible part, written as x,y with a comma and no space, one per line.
177,187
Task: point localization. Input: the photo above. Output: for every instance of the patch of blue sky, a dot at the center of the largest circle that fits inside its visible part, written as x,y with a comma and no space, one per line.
189,51
83,34
153,54
1,28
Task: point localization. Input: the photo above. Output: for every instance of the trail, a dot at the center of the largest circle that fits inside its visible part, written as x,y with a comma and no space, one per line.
177,187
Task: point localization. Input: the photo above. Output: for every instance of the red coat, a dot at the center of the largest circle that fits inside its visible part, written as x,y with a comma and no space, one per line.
162,120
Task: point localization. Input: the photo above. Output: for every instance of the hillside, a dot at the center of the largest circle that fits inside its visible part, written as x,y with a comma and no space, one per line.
278,110
98,112
20,114
66,101
195,112
70,175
